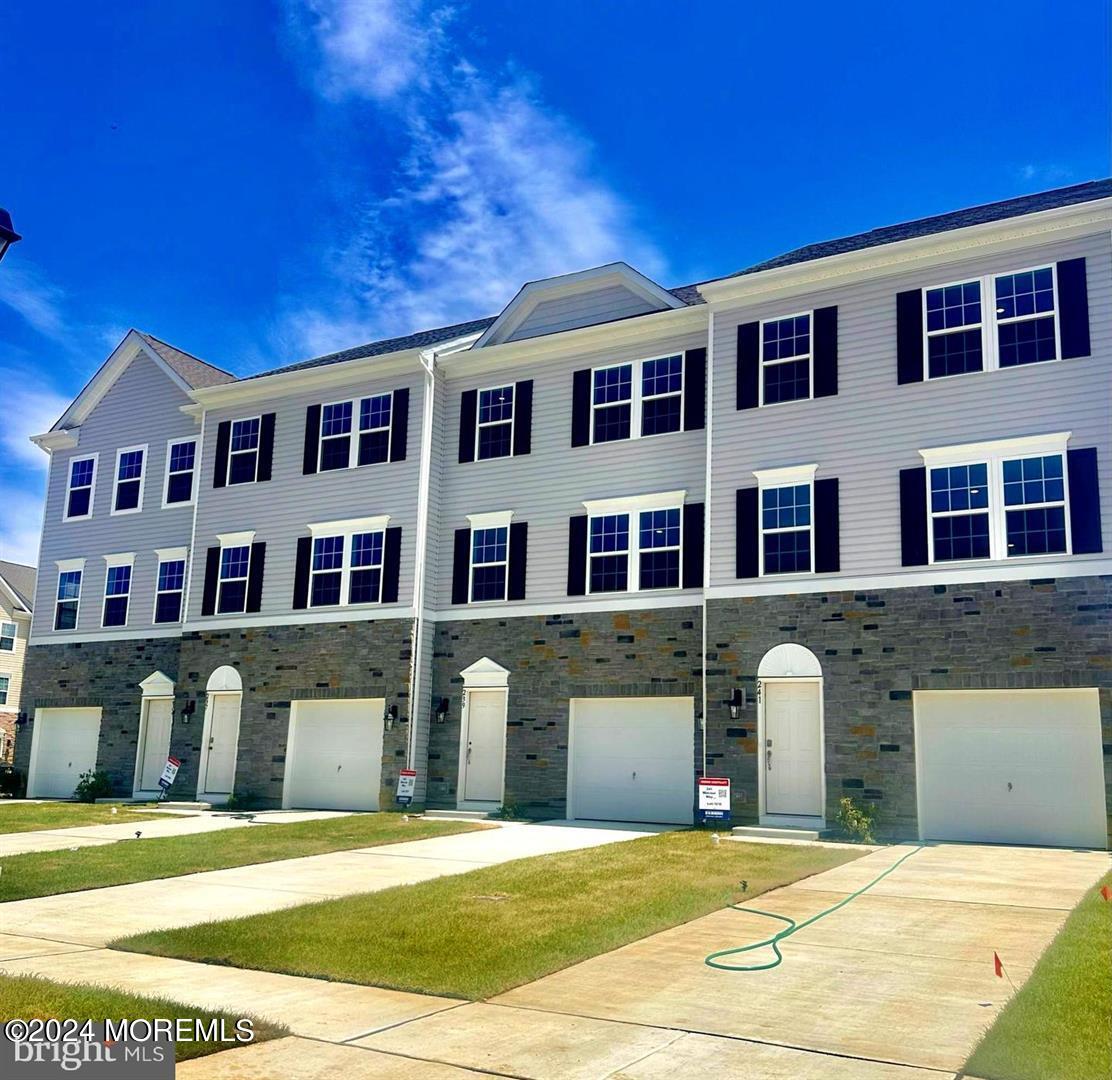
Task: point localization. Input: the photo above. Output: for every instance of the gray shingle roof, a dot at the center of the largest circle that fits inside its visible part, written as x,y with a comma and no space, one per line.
22,581
197,373
957,219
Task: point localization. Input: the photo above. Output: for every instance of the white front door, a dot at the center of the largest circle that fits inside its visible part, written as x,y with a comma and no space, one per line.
154,744
484,748
223,743
63,746
792,752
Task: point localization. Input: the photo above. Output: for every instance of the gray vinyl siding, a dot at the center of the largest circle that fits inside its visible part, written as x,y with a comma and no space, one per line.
548,486
875,427
579,309
280,510
142,406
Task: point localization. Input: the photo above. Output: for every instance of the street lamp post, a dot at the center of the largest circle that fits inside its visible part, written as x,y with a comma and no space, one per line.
8,235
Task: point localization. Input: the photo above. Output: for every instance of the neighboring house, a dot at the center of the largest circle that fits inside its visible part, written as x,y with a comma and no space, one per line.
17,592
831,526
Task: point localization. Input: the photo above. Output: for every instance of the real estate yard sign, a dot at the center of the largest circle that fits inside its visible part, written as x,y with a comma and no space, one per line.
169,773
407,781
714,798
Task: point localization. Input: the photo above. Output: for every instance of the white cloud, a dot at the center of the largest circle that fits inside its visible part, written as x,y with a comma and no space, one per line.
27,292
20,525
495,189
1045,172
31,409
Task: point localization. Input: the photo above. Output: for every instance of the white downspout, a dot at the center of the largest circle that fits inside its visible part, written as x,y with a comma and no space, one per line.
198,473
707,530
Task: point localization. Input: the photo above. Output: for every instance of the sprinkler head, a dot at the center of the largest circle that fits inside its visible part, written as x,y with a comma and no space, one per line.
714,838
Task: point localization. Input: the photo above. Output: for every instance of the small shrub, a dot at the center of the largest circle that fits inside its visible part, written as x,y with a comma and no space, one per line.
92,786
856,821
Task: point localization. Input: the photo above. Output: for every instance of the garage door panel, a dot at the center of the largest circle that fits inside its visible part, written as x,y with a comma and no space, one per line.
65,746
1011,766
335,754
632,759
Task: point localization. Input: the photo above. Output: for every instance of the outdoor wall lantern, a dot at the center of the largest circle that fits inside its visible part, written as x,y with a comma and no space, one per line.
188,709
390,716
21,720
8,235
440,708
737,702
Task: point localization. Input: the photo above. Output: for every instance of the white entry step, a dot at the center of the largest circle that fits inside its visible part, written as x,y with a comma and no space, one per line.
768,832
458,815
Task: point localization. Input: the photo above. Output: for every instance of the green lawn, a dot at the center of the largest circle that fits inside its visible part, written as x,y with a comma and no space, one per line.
44,873
28,997
1059,1025
477,934
17,816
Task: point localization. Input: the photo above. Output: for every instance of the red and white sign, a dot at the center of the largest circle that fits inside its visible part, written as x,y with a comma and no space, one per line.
407,784
169,772
714,793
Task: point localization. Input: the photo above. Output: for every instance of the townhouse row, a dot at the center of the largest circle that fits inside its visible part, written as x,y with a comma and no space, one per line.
832,526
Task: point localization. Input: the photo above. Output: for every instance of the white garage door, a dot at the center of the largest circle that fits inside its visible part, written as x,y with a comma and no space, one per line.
334,754
632,759
63,746
1011,766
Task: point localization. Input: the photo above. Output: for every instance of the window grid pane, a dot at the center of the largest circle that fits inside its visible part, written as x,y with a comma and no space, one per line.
245,434
489,551
374,412
81,473
182,456
234,562
785,339
787,552
336,419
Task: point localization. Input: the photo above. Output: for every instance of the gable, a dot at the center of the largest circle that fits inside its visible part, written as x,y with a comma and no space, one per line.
581,309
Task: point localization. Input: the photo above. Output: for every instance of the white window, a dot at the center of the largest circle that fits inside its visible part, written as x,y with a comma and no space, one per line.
80,485
787,541
490,556
1003,320
1002,500
68,595
347,561
181,461
635,544
5,683
117,589
494,434
169,586
645,397
354,433
127,491
243,450
7,636
235,565
786,359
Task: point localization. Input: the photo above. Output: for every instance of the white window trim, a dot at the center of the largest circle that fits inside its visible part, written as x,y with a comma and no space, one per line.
170,444
993,454
788,476
480,424
236,539
498,519
13,635
92,486
233,540
634,506
991,322
636,399
346,530
123,558
232,453
5,690
809,357
356,431
165,555
67,566
138,508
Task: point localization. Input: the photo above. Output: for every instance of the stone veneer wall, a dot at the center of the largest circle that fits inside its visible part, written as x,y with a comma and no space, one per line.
877,647
552,658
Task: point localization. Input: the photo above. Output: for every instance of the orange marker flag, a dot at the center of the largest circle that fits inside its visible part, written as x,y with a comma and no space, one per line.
1106,892
998,964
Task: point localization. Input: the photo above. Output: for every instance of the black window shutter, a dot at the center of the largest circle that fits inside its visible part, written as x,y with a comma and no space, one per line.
1073,308
212,577
693,531
825,355
312,440
399,423
468,408
461,566
301,572
913,516
581,408
694,389
748,534
577,555
749,365
223,441
266,447
1085,534
909,339
523,417
391,562
519,556
827,532
255,577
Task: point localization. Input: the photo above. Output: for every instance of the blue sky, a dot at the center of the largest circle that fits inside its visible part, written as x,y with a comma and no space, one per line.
260,182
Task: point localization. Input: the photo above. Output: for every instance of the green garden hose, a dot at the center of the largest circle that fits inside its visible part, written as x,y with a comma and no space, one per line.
714,960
